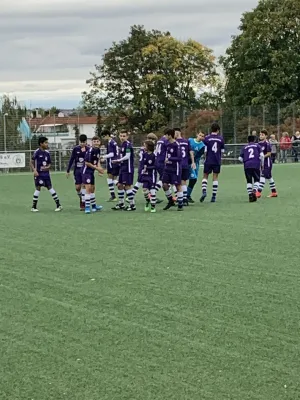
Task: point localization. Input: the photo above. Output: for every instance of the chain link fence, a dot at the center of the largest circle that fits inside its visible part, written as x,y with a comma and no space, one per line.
18,162
21,133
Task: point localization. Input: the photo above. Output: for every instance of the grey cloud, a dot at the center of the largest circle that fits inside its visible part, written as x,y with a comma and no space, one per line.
64,41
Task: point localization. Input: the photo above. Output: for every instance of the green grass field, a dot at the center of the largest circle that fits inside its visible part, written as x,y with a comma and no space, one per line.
198,305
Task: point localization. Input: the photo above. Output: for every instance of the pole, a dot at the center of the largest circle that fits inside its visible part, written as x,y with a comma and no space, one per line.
4,131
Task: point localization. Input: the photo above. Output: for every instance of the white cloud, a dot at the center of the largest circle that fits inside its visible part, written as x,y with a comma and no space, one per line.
48,47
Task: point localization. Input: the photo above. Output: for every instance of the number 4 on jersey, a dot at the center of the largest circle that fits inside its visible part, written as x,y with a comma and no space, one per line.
215,147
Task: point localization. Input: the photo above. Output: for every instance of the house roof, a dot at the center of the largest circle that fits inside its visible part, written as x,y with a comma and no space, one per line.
51,120
76,120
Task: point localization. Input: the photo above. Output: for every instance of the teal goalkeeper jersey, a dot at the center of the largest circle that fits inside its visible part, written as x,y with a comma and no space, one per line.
197,148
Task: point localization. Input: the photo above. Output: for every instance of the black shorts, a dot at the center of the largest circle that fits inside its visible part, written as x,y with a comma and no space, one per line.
252,175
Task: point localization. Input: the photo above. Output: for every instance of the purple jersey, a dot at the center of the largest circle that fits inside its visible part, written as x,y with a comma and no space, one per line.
127,165
161,150
214,149
141,155
173,158
112,148
41,160
185,152
266,148
93,157
77,158
251,156
148,164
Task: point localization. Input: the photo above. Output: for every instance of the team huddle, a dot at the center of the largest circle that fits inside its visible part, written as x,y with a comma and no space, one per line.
170,163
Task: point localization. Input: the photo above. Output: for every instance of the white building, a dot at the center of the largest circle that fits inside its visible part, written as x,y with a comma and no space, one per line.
60,130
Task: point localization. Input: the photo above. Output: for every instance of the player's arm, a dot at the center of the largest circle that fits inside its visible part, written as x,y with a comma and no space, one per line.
262,158
109,155
32,165
71,161
126,157
241,157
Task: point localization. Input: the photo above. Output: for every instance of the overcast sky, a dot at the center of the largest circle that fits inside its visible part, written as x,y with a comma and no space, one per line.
48,47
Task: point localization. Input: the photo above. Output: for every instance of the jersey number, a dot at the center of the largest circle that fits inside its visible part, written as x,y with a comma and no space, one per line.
251,153
215,147
183,152
158,149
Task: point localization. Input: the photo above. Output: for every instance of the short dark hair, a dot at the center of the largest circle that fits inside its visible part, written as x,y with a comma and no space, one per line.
170,132
124,131
95,138
82,138
42,139
251,138
215,127
150,145
264,131
177,129
106,132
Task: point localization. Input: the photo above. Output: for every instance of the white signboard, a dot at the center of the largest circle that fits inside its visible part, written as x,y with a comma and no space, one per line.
12,160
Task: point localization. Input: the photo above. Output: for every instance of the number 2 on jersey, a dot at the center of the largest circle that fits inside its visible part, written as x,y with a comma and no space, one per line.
251,153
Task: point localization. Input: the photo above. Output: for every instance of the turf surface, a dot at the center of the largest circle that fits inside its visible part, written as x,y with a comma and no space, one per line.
197,305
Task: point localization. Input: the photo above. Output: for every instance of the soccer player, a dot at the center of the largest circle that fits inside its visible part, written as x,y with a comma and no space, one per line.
77,158
40,165
92,163
267,168
253,158
197,150
126,174
153,138
112,153
148,175
214,147
172,170
186,154
160,153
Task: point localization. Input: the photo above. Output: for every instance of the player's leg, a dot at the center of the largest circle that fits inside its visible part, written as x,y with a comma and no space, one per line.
94,205
249,180
54,195
111,187
262,182
88,188
216,172
166,181
158,184
193,177
179,197
147,195
121,195
153,200
206,171
256,179
36,194
129,193
184,178
83,193
272,184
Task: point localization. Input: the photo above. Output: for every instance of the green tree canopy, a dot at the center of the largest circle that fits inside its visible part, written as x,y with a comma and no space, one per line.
149,75
262,64
11,113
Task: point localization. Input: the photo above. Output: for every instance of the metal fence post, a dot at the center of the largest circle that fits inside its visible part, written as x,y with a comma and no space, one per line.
249,120
278,121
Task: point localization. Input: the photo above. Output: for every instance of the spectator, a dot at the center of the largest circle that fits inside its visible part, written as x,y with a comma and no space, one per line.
285,145
296,145
256,139
273,143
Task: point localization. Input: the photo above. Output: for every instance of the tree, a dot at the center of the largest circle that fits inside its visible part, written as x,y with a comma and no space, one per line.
147,76
262,64
76,133
11,114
